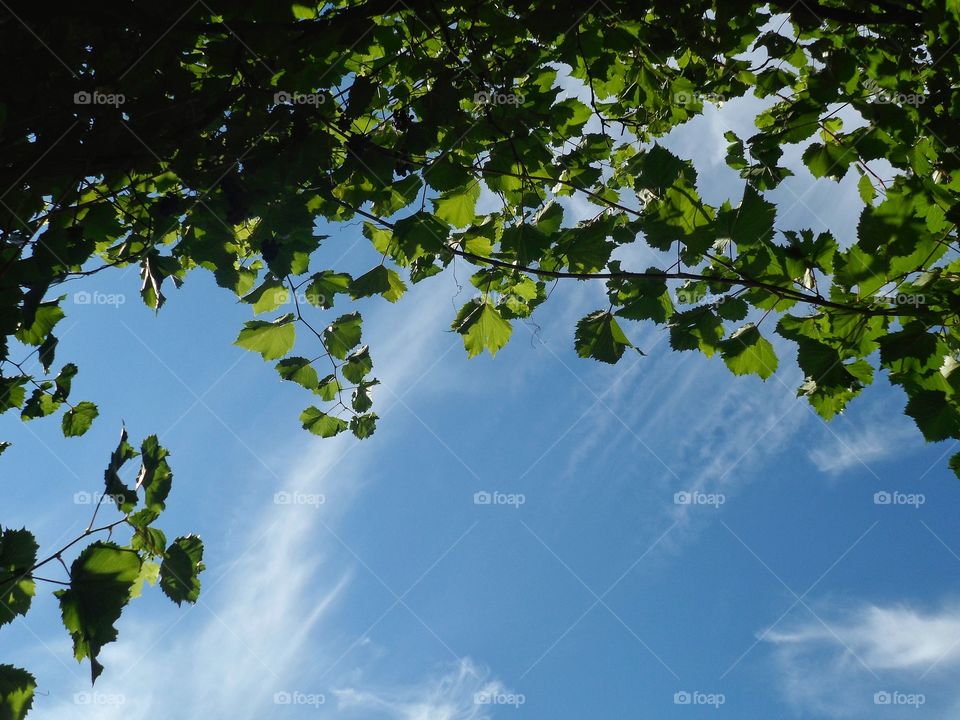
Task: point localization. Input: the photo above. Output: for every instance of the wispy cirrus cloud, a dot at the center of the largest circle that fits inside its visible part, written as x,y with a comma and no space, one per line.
464,692
268,628
859,447
894,658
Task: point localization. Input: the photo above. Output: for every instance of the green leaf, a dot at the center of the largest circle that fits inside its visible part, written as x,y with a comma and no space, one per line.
181,568
18,554
379,281
679,214
424,267
572,114
600,337
325,285
16,692
752,222
101,579
363,426
549,218
328,387
150,540
585,247
320,423
343,334
362,92
398,195
732,308
444,174
524,243
155,476
142,518
736,157
300,371
362,398
420,234
482,328
303,12
912,344
357,364
40,404
125,497
642,299
12,392
64,382
830,383
268,297
747,352
829,160
866,189
78,419
696,329
936,417
458,208
272,340
149,574
47,352
657,169
47,316
382,241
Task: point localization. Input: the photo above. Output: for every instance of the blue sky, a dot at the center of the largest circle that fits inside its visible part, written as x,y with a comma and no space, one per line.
783,589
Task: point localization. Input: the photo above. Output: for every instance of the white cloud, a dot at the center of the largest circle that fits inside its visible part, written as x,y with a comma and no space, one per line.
836,666
231,652
886,638
254,631
859,447
712,434
453,695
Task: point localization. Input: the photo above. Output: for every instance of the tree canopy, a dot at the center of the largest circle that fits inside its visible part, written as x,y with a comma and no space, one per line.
182,136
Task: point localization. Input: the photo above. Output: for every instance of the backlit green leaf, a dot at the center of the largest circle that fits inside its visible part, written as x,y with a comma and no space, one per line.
320,423
18,553
272,340
78,419
599,337
181,568
746,352
101,579
16,692
482,328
